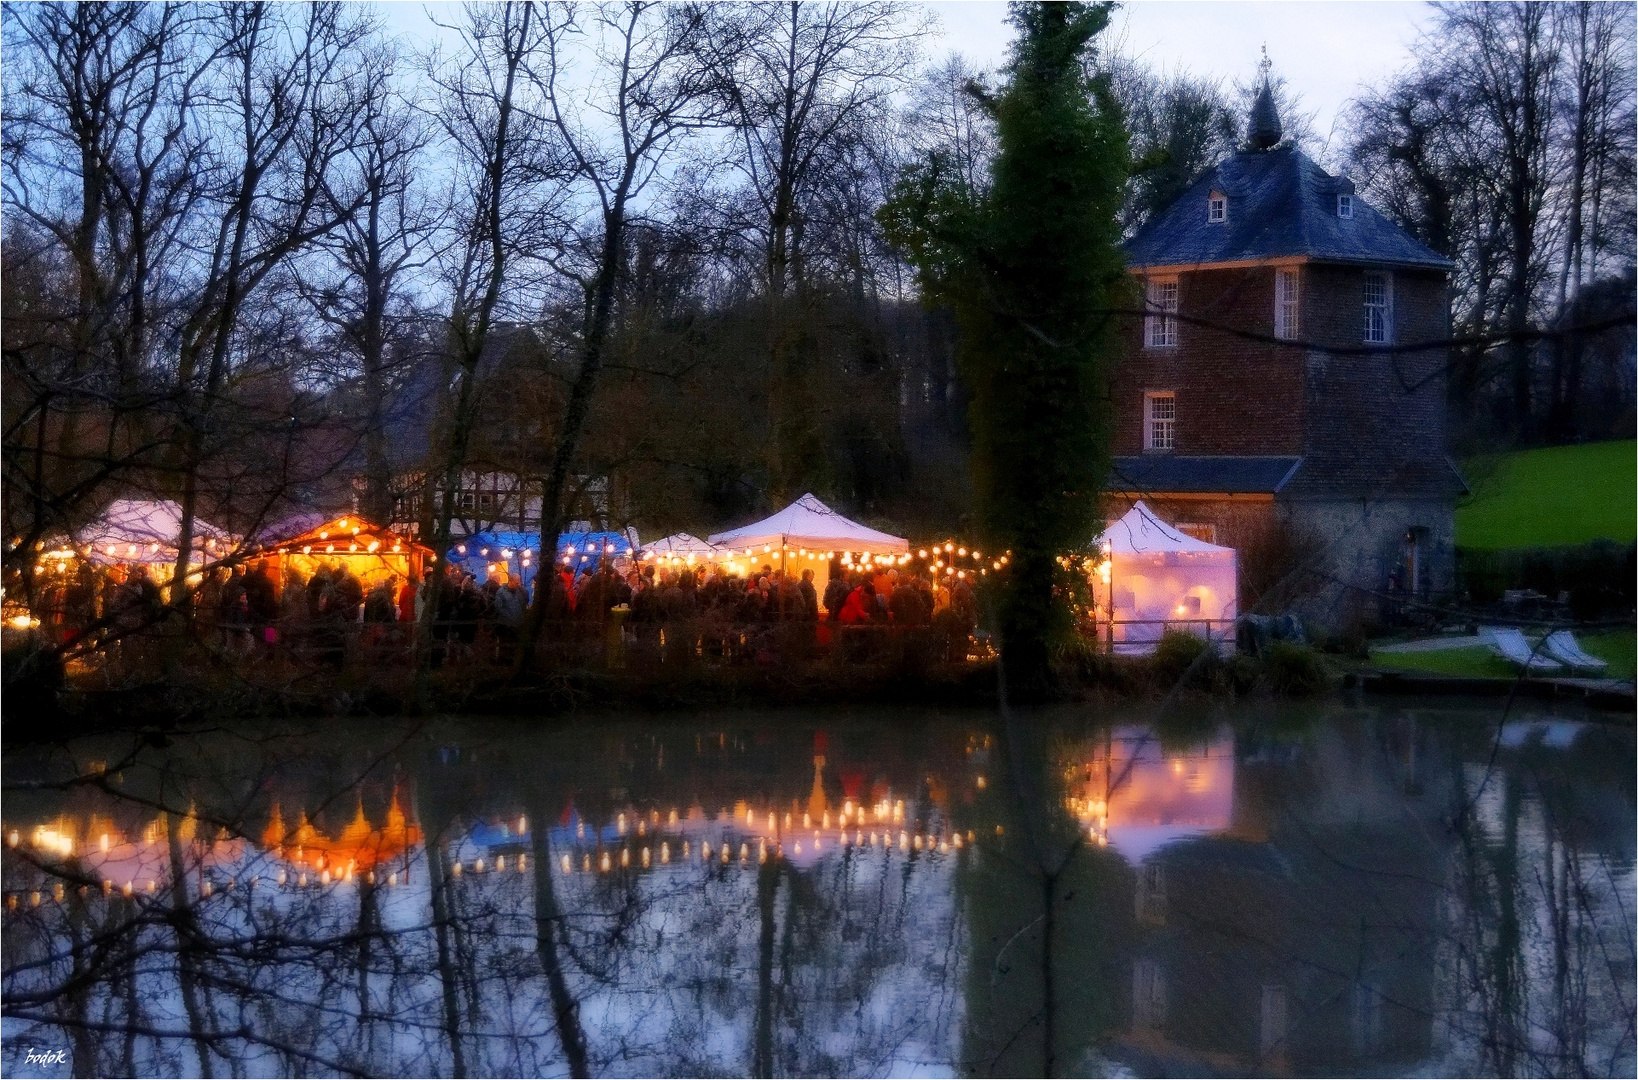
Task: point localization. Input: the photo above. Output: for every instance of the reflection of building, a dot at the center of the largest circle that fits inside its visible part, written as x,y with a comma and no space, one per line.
1269,939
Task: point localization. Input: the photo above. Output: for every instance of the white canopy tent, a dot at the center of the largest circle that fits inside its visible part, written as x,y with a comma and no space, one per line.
807,531
146,531
684,546
1155,578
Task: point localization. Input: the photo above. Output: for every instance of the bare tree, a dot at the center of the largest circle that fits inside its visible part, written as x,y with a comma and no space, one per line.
101,153
651,89
944,118
499,149
281,112
803,80
378,248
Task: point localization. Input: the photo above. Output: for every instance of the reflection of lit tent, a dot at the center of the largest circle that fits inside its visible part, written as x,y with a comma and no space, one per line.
369,552
1157,577
805,531
146,531
1151,798
685,546
358,847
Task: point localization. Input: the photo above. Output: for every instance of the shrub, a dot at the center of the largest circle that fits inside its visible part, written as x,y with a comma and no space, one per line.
1176,654
1295,670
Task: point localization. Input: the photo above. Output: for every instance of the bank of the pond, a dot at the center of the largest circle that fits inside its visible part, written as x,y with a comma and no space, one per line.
201,687
1613,697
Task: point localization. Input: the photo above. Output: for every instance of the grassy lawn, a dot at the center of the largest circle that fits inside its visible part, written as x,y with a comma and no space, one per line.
1619,647
1552,497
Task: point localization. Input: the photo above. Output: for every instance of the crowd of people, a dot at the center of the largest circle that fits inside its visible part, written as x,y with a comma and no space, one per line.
245,609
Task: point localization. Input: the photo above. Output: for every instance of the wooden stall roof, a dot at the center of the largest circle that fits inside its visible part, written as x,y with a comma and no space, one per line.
349,534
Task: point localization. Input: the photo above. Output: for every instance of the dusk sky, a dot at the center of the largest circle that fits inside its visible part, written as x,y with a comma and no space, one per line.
1325,51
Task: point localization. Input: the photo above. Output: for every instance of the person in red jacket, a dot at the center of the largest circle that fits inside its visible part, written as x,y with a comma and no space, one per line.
406,599
861,604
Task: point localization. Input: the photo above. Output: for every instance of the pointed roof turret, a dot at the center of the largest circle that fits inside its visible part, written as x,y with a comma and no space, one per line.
1264,131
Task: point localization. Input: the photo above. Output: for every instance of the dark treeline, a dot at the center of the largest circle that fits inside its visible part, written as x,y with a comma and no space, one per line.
265,257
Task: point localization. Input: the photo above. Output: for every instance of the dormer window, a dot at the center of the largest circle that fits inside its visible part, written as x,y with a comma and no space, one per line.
1217,206
1345,206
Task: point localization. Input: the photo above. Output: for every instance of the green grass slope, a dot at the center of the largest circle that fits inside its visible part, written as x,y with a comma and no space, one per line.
1618,647
1552,497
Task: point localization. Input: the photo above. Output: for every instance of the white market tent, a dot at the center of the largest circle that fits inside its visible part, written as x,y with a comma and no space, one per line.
146,531
682,546
805,531
1155,577
809,523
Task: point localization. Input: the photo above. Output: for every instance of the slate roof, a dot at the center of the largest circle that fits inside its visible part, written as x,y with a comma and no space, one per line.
1280,204
1174,474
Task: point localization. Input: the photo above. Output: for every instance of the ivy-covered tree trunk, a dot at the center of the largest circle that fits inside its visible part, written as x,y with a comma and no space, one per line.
1033,270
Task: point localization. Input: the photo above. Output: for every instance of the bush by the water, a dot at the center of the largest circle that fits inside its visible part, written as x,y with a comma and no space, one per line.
1176,655
1293,670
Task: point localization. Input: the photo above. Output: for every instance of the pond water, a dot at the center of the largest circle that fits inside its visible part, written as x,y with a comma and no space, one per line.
1331,889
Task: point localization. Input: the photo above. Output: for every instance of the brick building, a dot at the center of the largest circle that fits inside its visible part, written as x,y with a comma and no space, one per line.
1269,402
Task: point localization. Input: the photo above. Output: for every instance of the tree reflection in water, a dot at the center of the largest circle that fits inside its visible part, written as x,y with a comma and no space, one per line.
1333,892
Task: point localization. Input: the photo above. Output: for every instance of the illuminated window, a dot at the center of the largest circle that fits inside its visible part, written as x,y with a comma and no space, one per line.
1345,206
1159,420
1202,531
1160,325
1217,207
1378,308
1285,305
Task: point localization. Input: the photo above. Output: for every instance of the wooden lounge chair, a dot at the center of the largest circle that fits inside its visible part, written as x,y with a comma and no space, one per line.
1510,645
1562,646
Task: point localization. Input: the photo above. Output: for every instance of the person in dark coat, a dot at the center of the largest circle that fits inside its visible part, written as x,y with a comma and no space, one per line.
233,610
317,586
836,595
808,608
261,598
349,595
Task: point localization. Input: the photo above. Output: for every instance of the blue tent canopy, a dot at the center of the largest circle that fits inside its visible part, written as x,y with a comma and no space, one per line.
519,552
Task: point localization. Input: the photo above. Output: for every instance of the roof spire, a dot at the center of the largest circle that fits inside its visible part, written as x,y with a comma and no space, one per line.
1264,131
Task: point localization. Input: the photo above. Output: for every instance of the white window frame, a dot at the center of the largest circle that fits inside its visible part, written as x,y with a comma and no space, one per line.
1160,325
1378,329
1216,207
1159,432
1345,206
1287,304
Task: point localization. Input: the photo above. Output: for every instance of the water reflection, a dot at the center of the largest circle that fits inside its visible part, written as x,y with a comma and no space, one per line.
1347,891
